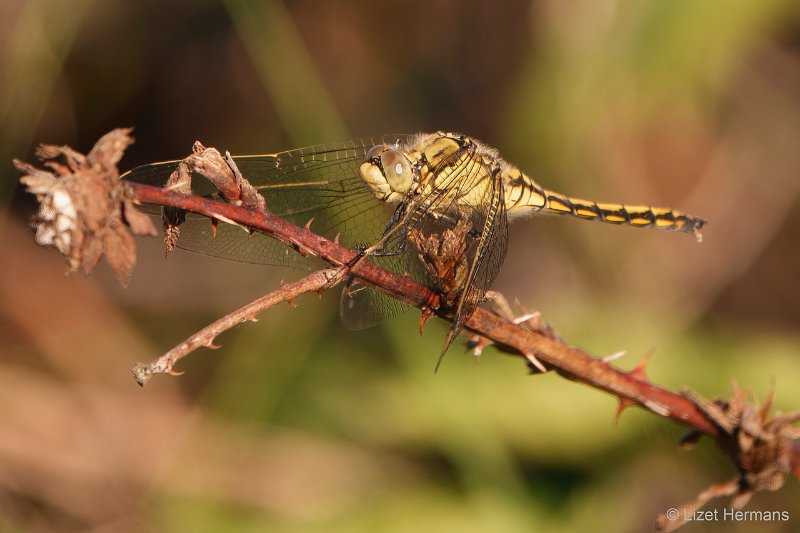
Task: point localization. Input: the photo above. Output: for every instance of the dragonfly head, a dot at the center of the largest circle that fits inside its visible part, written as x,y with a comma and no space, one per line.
388,172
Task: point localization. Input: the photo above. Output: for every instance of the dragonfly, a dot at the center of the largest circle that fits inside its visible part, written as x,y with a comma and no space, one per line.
434,206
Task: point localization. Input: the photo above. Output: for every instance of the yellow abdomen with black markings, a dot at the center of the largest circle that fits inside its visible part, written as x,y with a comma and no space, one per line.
522,195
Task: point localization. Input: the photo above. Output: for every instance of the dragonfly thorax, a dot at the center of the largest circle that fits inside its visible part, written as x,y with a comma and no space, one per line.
388,173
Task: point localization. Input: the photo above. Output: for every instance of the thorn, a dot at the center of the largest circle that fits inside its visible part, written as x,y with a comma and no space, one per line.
624,403
291,302
423,319
524,318
614,356
228,221
211,346
304,251
535,362
308,224
336,239
175,373
639,371
214,224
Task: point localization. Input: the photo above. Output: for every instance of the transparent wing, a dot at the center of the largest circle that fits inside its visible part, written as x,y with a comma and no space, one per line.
361,307
319,182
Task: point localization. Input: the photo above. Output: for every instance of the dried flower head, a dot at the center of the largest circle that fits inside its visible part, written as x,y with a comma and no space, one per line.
84,211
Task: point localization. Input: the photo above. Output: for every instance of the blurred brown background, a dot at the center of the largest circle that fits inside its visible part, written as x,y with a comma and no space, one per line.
296,424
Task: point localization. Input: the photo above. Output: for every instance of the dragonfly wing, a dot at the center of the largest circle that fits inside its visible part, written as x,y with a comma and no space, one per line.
237,244
465,217
318,182
361,307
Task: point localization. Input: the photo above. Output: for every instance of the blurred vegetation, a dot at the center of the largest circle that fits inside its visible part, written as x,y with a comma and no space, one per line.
296,424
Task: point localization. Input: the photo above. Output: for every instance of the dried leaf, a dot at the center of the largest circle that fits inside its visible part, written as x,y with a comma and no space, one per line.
249,195
210,163
92,252
179,181
171,235
120,250
443,256
94,196
72,160
47,151
36,180
110,148
139,223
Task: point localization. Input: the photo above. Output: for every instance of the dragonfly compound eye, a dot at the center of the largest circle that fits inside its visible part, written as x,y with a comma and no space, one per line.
376,151
397,170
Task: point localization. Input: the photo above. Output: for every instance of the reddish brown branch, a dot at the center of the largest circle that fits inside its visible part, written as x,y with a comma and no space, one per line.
315,282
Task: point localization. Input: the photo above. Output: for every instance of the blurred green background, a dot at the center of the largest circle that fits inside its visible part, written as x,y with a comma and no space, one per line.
298,425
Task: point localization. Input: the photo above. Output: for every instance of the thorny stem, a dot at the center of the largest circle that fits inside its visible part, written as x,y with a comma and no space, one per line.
568,361
315,282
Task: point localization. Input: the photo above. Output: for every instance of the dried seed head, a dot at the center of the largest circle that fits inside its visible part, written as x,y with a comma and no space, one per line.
84,211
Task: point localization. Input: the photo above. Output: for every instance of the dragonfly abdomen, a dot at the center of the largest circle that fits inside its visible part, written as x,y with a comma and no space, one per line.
522,194
640,216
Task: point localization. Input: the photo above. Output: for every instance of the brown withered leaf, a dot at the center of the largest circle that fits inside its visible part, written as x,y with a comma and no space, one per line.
92,253
110,148
179,181
210,164
62,159
172,233
249,195
45,151
94,197
120,250
443,256
138,222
